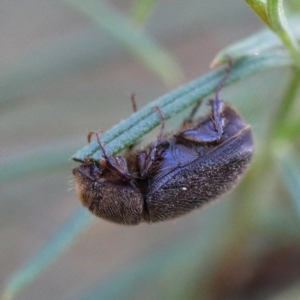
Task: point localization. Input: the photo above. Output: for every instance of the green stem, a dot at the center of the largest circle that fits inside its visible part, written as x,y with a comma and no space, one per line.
246,212
289,97
279,24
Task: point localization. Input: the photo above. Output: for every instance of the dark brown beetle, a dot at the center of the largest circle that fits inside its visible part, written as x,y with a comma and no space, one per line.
172,176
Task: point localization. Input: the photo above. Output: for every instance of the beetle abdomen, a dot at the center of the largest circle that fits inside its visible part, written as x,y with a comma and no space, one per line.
191,186
112,200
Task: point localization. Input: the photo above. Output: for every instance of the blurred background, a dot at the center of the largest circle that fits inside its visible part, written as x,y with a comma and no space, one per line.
63,75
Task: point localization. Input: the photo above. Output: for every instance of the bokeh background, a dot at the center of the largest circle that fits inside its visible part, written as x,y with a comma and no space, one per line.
61,76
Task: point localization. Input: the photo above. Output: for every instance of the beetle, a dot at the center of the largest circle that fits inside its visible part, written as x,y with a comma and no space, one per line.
173,175
198,164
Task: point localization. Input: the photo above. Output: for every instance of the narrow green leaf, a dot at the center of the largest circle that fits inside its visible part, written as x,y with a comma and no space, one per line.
40,158
290,170
262,41
289,131
153,55
51,61
50,252
126,132
141,10
278,23
272,13
282,126
259,6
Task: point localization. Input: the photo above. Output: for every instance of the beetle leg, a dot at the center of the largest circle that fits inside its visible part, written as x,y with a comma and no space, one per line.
146,159
227,72
162,127
134,109
189,120
133,102
85,174
203,134
116,164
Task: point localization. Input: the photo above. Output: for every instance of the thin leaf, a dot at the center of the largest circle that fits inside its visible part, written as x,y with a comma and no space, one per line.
50,252
39,159
272,13
153,55
281,123
51,61
290,167
289,131
279,24
262,41
259,6
126,132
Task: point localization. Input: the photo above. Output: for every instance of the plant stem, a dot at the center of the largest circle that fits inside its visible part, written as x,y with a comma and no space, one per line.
288,99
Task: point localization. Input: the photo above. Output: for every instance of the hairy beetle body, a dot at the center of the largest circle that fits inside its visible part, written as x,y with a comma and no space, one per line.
190,186
109,198
173,176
